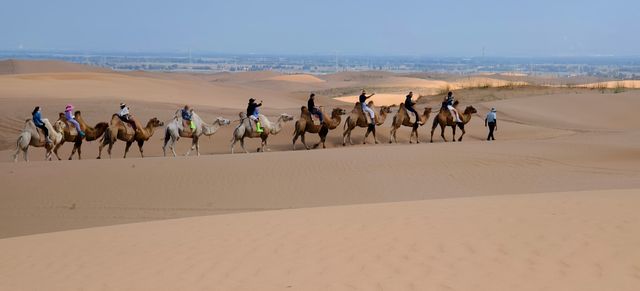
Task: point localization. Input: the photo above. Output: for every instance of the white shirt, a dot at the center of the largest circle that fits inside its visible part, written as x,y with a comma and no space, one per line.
491,117
124,111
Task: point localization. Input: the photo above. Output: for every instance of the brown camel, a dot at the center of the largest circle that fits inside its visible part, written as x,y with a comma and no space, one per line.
357,119
403,118
124,132
445,119
71,134
305,124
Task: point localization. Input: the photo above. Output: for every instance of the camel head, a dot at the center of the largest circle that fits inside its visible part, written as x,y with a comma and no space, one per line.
77,114
59,126
470,110
286,117
154,122
338,111
61,116
223,121
427,110
304,109
370,104
242,115
385,109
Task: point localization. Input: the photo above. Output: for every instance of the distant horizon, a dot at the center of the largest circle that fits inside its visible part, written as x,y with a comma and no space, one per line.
205,53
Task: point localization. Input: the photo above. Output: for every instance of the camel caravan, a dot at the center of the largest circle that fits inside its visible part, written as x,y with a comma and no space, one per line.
71,127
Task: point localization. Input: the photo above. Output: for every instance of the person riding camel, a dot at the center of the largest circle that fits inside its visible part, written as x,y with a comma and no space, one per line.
254,114
68,114
408,104
187,115
313,109
363,103
448,102
37,120
125,116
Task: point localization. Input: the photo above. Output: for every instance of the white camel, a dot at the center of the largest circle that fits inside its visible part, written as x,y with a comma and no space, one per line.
32,136
246,128
176,129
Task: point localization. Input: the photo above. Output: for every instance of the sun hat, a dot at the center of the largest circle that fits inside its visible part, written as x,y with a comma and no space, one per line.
68,107
493,109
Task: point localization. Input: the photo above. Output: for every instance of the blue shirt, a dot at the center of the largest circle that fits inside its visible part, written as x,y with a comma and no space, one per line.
37,119
186,114
491,117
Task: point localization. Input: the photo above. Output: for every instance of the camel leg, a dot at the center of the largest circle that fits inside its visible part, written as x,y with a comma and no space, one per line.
55,149
126,149
416,132
295,138
140,144
103,142
463,132
242,146
454,133
433,128
392,135
73,151
233,143
193,145
80,151
197,146
26,154
304,142
442,127
344,138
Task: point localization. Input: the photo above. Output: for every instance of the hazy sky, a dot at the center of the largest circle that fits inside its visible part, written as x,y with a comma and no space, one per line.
444,27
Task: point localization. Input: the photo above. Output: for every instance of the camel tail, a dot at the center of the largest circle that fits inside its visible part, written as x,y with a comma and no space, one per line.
295,129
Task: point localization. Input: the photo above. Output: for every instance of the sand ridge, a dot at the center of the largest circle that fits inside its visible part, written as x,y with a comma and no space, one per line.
553,241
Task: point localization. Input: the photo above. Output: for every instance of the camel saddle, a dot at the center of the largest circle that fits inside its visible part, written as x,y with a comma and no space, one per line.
366,117
128,128
186,126
41,136
70,127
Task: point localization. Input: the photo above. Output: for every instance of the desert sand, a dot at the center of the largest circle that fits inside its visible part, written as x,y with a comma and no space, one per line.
550,205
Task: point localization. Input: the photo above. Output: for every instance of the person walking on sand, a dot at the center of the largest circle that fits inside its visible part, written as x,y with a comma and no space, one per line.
363,103
37,120
311,104
492,121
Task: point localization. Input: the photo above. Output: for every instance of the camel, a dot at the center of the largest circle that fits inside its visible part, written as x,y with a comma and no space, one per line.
124,132
445,119
403,117
176,129
357,118
71,134
33,136
305,124
246,129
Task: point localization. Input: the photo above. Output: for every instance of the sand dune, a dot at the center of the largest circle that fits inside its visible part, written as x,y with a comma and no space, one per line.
542,208
553,241
633,84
